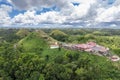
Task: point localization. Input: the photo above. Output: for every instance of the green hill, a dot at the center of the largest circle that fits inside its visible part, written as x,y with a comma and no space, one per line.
22,33
45,36
59,35
32,43
37,42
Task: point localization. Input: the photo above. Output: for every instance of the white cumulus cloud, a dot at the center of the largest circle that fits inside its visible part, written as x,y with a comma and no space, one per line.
88,12
31,18
31,4
4,14
108,15
26,18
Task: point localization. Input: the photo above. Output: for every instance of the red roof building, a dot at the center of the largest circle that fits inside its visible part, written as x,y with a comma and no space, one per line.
92,47
85,46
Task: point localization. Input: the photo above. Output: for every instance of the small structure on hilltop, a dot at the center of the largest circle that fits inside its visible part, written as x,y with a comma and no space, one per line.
54,45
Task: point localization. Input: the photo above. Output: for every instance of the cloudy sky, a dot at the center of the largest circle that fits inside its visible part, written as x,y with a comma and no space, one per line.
60,13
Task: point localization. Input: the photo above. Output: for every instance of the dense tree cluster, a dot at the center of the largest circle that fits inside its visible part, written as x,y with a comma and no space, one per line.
70,66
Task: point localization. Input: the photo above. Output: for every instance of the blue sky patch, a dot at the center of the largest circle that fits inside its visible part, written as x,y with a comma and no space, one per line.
111,1
76,4
16,12
44,10
5,3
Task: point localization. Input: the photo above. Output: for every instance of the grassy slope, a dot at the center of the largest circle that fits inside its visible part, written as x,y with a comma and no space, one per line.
35,41
32,42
